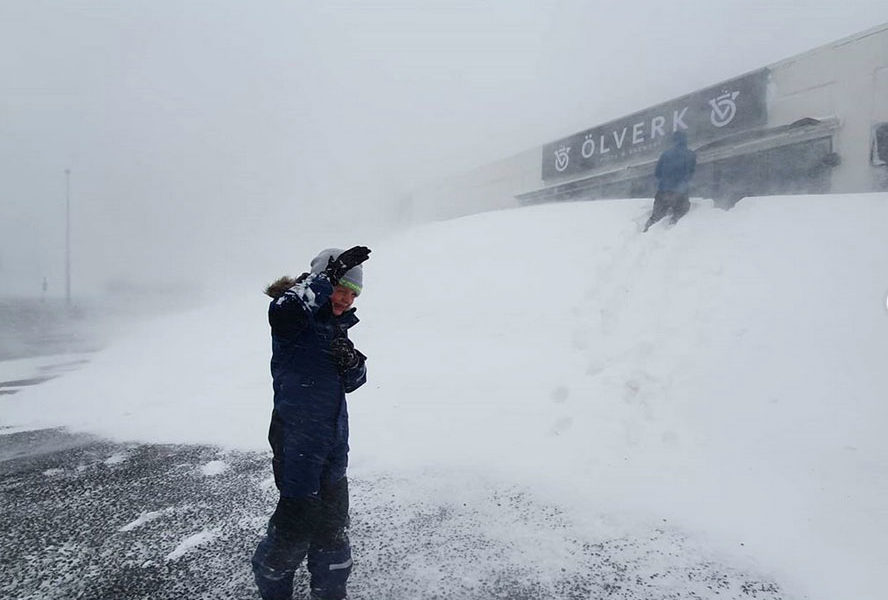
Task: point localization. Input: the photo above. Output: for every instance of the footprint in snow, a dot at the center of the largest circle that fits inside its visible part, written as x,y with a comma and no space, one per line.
560,394
580,339
594,369
561,426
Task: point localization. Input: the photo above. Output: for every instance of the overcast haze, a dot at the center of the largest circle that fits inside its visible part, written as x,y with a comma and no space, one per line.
201,136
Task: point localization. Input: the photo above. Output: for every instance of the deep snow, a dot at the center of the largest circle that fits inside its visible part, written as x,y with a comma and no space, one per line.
725,376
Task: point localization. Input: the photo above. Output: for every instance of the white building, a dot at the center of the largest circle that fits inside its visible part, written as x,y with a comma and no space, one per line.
813,123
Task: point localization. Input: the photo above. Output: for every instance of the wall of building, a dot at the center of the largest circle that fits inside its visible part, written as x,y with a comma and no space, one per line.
848,80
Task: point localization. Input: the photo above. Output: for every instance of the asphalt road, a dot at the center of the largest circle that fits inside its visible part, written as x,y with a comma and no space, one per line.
85,518
70,510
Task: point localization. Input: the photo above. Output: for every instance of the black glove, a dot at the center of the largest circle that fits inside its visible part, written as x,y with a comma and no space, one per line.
344,354
345,261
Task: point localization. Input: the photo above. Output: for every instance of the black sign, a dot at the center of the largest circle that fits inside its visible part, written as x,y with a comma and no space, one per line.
705,115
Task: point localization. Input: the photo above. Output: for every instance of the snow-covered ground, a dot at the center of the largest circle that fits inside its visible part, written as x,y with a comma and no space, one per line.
723,379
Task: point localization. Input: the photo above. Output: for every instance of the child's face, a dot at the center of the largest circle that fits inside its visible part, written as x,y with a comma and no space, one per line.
342,299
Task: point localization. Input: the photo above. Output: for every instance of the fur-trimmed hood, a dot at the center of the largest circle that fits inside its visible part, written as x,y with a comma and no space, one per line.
276,290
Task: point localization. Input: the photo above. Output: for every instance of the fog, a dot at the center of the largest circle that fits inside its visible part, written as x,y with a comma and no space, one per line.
209,141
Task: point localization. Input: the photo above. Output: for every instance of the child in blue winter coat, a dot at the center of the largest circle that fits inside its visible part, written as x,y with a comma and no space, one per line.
313,366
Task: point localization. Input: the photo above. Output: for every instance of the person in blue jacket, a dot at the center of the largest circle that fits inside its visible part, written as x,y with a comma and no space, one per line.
674,170
313,366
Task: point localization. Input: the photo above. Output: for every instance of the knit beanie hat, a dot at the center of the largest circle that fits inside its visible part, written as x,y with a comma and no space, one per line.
353,278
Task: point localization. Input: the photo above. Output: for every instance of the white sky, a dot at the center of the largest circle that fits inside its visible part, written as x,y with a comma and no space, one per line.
199,132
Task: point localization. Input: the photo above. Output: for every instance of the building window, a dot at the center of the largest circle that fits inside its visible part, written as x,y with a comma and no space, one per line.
880,144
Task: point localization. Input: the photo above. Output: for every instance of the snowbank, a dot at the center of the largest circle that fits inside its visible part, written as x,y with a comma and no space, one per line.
726,375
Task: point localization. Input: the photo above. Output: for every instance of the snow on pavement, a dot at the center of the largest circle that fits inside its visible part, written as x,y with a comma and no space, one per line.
414,536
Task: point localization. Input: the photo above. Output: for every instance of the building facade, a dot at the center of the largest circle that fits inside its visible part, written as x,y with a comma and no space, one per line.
813,123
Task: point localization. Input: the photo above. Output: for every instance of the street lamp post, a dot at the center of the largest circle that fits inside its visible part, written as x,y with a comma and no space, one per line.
68,237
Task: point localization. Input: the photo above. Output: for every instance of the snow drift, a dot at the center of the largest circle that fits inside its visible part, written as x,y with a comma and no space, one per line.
725,376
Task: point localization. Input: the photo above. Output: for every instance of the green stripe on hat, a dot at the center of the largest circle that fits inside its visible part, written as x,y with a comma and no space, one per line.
350,285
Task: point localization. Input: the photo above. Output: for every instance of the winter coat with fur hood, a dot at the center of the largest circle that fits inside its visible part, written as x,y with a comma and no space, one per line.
309,424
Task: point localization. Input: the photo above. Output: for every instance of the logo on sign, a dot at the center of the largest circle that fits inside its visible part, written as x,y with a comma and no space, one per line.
724,108
562,158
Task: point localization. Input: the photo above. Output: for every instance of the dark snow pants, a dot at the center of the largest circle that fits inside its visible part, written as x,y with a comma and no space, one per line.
664,202
314,526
